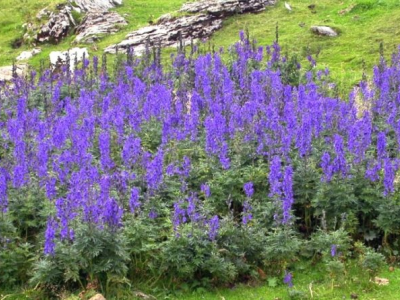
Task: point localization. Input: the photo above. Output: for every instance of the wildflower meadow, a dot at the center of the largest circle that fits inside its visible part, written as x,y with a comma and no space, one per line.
219,167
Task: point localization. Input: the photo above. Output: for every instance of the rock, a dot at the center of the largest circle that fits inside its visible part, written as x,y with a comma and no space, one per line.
58,58
324,30
98,297
98,23
169,33
6,73
170,30
95,5
61,21
59,24
226,7
28,54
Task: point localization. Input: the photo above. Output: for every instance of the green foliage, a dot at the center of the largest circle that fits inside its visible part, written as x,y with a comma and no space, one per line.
282,246
93,256
297,294
370,260
16,256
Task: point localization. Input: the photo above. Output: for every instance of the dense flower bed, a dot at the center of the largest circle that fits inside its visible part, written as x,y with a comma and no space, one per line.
210,170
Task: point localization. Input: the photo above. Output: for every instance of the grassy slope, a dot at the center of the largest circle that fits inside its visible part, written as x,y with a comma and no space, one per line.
361,30
14,13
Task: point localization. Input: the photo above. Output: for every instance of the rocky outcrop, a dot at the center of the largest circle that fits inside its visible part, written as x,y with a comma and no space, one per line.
98,23
91,18
324,30
71,57
226,7
169,33
57,27
206,19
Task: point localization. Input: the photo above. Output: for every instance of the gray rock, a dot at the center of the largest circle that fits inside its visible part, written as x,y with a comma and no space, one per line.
169,30
58,58
226,7
57,27
28,54
98,23
60,23
6,73
95,5
324,30
167,34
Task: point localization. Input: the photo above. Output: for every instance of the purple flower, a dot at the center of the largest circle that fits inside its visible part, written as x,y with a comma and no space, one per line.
205,188
275,176
247,215
213,226
179,216
326,167
381,145
248,189
3,191
333,250
134,202
389,176
339,163
112,214
153,214
288,279
154,175
105,150
372,171
50,235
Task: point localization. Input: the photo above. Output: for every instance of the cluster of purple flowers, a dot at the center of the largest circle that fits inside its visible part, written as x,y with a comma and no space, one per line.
107,147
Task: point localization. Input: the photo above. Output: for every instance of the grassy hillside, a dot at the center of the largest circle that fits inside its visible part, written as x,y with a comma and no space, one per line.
363,25
361,29
13,14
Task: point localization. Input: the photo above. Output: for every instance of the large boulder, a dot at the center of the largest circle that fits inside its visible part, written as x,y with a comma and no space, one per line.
72,56
7,73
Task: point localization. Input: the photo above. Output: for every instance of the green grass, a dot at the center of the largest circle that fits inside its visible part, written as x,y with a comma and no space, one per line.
321,286
13,14
362,29
306,278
